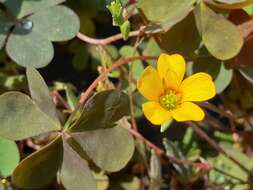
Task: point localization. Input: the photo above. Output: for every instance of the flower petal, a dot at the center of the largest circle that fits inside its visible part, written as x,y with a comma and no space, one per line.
155,113
188,112
171,69
198,87
150,84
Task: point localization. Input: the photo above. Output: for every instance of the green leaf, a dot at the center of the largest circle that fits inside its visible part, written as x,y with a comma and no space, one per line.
138,100
57,23
222,136
21,118
172,149
249,9
21,8
71,98
109,106
166,125
112,51
167,12
75,172
188,138
9,157
110,149
29,48
221,38
125,29
40,93
69,89
40,168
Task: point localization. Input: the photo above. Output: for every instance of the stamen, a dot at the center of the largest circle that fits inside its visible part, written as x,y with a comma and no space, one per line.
170,100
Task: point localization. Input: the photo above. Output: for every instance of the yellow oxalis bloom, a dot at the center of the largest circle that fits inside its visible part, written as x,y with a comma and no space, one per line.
169,95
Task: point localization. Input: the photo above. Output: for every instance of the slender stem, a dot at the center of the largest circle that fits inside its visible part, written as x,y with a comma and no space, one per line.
110,39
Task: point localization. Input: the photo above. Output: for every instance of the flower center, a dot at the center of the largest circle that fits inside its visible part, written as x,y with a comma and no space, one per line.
170,100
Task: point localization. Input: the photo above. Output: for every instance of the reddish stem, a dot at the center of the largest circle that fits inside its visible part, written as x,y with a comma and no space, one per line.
110,39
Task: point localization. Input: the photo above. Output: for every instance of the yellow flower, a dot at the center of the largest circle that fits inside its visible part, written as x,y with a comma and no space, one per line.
169,95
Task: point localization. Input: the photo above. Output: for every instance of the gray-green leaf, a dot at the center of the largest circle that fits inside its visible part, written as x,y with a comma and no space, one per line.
167,12
223,79
75,173
110,149
177,40
21,118
40,93
38,169
222,39
102,111
57,23
29,48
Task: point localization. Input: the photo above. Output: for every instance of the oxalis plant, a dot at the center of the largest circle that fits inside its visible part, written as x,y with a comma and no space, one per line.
92,135
144,122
